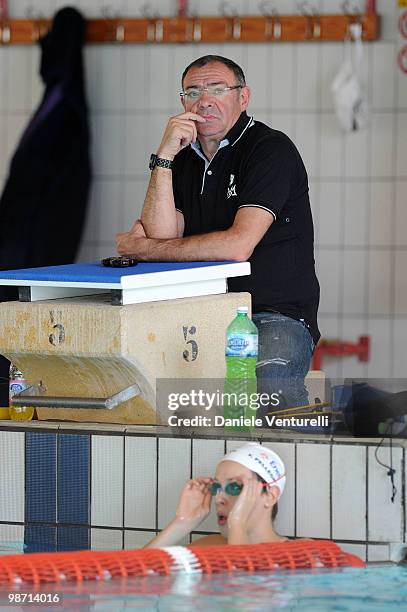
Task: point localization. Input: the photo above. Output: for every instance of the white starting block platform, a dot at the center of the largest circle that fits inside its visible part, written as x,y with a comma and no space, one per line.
145,282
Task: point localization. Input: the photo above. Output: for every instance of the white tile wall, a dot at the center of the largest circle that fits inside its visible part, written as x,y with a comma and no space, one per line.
401,283
174,469
329,268
106,539
140,482
401,88
331,214
354,549
306,139
330,63
377,553
260,87
382,75
357,154
362,177
137,539
11,539
313,494
399,347
354,265
385,518
283,86
380,214
332,147
355,211
383,136
401,146
107,476
348,493
380,281
401,214
12,476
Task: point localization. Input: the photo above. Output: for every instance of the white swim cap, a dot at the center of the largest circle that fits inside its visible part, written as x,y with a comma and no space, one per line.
261,460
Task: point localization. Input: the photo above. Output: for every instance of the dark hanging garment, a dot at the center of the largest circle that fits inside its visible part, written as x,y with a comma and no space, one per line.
43,205
42,208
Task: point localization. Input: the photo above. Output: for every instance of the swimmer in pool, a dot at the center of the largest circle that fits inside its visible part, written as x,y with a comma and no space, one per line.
247,485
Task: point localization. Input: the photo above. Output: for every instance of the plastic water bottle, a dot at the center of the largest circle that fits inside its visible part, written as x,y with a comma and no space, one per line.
241,358
18,383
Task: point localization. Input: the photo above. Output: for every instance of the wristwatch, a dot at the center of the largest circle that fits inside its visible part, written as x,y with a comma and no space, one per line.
159,161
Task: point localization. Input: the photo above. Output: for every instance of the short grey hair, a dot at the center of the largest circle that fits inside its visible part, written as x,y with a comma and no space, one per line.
210,59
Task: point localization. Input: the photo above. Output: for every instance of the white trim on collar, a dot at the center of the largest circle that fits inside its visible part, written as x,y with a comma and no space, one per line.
249,124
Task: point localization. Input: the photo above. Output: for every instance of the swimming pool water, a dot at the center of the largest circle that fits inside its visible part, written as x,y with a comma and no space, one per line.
381,587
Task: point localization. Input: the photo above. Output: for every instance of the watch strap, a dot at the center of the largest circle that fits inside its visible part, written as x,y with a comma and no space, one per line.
160,161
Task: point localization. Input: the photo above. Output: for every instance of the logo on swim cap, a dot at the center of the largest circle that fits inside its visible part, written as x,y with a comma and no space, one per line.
272,469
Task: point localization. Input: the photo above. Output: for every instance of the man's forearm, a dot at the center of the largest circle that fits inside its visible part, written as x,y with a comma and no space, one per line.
215,246
158,216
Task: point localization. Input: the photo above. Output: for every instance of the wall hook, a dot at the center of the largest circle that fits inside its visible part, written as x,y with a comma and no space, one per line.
313,20
5,34
120,32
273,27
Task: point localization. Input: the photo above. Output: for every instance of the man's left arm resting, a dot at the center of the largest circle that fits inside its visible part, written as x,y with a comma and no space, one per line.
234,244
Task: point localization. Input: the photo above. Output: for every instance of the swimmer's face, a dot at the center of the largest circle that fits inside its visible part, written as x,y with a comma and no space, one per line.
228,472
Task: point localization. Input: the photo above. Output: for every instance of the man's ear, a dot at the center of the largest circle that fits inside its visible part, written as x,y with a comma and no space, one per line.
244,97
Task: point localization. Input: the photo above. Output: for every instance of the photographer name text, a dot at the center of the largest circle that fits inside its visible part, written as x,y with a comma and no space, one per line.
252,421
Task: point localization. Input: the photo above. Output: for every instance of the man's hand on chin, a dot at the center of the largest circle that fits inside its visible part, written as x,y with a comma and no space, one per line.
133,242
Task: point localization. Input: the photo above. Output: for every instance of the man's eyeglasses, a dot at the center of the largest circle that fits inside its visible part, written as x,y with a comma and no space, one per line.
192,94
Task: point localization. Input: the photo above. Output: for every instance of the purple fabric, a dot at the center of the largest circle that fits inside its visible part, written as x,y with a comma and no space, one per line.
50,102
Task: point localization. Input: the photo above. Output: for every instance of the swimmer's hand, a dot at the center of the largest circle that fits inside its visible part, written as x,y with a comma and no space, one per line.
242,518
194,505
179,133
195,502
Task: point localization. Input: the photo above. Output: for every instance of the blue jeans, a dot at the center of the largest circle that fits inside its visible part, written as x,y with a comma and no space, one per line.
285,351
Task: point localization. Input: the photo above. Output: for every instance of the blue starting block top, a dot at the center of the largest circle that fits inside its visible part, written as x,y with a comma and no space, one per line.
144,282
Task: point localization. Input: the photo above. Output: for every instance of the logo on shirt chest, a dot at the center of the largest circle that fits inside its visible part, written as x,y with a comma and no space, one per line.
232,187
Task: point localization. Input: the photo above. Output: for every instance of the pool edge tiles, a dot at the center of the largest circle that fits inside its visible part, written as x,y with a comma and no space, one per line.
57,498
73,491
40,492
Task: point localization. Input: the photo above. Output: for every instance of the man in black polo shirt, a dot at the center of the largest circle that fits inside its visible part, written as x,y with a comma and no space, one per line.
226,187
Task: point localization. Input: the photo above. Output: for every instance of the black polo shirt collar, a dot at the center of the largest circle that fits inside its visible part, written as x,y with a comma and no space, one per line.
236,131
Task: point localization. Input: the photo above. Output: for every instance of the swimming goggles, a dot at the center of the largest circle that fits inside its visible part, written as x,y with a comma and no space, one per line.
235,488
232,488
